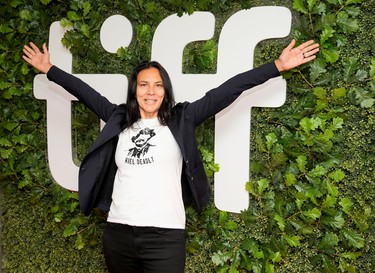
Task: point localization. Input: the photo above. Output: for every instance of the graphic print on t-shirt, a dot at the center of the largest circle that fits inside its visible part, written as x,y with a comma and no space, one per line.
141,147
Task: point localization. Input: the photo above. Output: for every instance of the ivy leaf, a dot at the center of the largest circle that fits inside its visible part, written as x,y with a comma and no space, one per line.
270,268
271,139
85,29
290,179
313,213
252,247
250,188
320,93
329,202
336,124
317,68
230,225
318,171
332,189
15,3
327,33
347,24
5,142
276,257
310,124
346,204
337,221
86,8
57,217
363,97
220,258
330,55
354,239
351,255
350,66
329,240
337,175
66,23
123,54
301,162
280,221
79,243
293,241
4,28
262,185
361,75
24,69
298,5
223,216
338,93
73,16
6,153
367,103
311,4
4,84
26,15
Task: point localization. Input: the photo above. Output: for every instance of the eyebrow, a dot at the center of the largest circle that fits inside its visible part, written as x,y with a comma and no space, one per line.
145,81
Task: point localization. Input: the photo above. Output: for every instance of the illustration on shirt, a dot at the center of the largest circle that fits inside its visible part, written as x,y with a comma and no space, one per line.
141,143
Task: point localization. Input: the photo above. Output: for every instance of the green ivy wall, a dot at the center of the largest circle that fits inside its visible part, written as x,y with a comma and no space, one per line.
312,166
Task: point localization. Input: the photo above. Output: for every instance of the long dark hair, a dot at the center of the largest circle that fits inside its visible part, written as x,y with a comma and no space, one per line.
165,111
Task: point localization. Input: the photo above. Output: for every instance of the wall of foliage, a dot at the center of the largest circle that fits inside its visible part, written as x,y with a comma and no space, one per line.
312,181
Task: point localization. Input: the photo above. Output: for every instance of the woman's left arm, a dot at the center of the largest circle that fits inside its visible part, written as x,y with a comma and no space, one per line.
222,96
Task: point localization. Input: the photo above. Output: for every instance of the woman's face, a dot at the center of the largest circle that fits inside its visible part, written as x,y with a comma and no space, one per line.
150,92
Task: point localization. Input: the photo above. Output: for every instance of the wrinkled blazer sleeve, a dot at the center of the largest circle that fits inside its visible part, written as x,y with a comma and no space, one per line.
83,92
222,96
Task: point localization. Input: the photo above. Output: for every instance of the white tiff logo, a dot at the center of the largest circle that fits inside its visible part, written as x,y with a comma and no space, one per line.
238,38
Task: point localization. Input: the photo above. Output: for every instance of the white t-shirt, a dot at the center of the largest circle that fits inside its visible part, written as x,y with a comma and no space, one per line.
147,187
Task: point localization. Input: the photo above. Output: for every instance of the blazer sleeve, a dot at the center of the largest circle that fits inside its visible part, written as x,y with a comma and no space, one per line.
222,96
99,104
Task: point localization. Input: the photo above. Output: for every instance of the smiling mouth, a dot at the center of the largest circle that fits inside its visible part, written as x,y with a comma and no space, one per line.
150,100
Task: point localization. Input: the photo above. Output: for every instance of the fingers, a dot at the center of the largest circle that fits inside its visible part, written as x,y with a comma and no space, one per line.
28,53
34,47
291,45
310,51
309,46
45,49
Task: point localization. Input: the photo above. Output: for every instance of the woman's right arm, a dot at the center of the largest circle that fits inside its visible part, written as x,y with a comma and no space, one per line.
75,86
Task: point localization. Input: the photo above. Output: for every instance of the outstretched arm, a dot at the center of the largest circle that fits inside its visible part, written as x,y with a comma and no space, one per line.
36,58
292,57
75,86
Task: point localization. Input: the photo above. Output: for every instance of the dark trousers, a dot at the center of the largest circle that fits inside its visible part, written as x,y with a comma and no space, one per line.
129,249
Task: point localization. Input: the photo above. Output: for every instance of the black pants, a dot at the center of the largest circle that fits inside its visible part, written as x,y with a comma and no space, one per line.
129,249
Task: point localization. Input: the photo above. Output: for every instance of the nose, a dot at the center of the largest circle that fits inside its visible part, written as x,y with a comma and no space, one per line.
151,90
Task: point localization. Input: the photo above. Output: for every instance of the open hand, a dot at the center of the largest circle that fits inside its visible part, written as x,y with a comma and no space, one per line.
36,58
292,57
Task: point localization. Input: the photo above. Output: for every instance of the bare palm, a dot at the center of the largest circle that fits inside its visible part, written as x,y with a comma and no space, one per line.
292,57
36,58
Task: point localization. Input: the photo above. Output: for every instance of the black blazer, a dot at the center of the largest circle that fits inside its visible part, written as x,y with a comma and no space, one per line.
98,168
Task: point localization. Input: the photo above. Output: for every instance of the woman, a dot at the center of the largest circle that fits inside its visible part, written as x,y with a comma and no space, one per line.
144,167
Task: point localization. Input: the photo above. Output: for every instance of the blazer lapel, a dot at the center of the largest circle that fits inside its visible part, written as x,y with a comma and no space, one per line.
111,129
